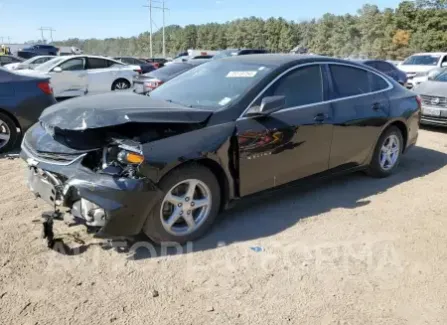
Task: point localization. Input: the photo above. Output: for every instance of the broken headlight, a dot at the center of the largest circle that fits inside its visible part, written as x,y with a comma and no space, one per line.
122,159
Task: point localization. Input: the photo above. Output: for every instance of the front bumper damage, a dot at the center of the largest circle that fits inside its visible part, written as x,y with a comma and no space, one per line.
116,206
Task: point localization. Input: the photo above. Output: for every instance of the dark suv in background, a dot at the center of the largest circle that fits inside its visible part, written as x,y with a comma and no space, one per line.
38,49
388,69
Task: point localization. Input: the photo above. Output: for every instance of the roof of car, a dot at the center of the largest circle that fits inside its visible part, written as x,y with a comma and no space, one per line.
430,53
280,59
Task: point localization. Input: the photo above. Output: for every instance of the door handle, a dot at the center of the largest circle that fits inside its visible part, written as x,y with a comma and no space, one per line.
320,117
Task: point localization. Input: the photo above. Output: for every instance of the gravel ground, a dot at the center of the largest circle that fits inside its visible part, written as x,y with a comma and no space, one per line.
353,250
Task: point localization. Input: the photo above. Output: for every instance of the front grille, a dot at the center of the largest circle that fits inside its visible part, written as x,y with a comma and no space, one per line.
57,158
435,101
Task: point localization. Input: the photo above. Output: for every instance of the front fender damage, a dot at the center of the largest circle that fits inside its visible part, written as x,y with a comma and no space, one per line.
125,201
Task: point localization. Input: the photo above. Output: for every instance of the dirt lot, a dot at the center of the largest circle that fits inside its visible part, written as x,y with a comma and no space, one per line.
354,250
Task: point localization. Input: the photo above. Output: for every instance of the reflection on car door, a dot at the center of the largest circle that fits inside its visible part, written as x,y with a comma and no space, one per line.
72,80
100,76
360,108
291,143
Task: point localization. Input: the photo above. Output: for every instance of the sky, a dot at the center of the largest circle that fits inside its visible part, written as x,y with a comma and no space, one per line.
20,19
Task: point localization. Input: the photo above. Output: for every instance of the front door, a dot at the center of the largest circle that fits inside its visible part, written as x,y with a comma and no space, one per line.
291,143
361,109
72,80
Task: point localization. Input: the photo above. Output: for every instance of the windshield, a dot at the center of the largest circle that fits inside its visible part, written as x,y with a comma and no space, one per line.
441,76
225,54
422,60
49,64
212,85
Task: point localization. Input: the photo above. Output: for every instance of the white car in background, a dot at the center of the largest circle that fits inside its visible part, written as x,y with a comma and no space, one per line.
79,75
30,63
419,64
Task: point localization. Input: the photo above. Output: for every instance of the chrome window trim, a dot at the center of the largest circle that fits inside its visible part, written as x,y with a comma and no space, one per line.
390,86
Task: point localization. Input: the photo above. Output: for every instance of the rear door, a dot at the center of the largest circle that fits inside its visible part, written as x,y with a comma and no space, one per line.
291,143
360,109
72,80
100,76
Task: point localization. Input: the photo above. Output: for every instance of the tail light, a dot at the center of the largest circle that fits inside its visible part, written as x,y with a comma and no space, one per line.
419,101
152,84
45,87
138,71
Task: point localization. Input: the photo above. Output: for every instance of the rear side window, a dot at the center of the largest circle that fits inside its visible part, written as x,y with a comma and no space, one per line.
384,66
95,63
351,81
302,86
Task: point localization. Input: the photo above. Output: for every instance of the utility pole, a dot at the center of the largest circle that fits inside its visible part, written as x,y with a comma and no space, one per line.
163,8
164,44
48,29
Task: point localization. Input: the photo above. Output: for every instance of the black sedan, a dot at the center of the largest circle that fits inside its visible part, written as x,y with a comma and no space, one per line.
22,100
145,66
388,69
145,83
167,164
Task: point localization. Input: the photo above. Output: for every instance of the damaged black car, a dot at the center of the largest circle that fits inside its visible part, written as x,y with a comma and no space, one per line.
169,163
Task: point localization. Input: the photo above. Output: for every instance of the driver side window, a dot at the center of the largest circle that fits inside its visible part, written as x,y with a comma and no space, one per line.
73,65
302,86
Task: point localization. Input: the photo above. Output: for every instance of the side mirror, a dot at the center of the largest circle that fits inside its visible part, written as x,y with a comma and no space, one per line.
268,106
57,69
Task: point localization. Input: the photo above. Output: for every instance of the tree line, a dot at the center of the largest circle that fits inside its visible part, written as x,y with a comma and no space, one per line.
413,26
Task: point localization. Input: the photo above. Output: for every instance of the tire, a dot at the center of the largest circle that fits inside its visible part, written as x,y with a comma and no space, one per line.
378,169
7,126
157,230
116,84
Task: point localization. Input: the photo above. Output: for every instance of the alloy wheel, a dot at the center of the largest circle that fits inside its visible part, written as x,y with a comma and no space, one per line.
185,207
5,134
389,152
121,85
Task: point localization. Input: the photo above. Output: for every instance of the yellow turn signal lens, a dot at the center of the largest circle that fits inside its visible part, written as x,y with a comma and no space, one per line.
134,158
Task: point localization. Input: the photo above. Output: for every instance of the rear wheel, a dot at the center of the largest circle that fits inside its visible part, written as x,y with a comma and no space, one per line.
8,133
387,153
120,84
189,206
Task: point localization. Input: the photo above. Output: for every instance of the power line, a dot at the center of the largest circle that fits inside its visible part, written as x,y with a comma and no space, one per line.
48,29
163,9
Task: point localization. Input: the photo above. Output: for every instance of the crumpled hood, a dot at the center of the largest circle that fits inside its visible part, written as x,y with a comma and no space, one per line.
432,88
104,110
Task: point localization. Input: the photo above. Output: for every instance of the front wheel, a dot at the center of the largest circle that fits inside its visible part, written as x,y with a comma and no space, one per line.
387,153
188,207
8,133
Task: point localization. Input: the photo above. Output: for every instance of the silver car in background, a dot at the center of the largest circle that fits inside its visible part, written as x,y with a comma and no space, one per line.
433,94
30,63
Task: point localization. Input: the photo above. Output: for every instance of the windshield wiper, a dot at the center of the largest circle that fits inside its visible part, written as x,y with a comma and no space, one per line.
178,103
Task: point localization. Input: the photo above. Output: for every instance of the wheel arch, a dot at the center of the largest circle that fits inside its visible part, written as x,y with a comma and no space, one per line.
121,78
12,117
400,124
216,169
403,129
